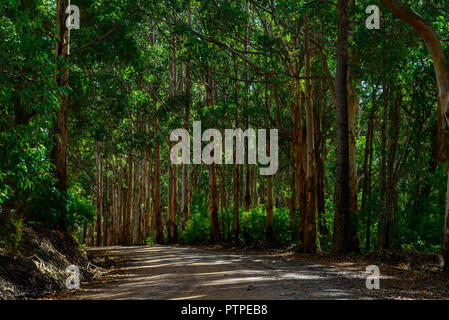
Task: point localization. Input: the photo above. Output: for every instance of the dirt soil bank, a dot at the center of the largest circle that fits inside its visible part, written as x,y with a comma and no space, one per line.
182,272
38,267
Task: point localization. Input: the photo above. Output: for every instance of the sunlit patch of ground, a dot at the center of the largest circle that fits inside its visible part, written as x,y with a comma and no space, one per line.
184,272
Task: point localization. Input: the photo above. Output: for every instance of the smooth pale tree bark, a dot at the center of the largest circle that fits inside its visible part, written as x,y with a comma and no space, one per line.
142,202
185,205
149,185
124,206
213,198
157,215
172,169
341,242
213,204
136,201
119,205
113,214
185,167
129,200
431,39
107,206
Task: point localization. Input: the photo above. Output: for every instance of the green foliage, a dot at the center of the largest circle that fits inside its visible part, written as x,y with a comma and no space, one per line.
253,226
197,229
80,211
28,96
120,85
421,221
46,204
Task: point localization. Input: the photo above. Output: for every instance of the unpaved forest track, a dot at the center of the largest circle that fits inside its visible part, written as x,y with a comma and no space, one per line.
173,272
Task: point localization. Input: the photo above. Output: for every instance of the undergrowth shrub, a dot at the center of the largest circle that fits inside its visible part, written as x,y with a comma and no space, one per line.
197,229
253,226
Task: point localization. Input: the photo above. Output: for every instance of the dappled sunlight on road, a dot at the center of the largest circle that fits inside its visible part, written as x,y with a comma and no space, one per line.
173,272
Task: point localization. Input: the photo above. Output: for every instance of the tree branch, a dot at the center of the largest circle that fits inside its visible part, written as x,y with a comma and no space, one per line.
104,36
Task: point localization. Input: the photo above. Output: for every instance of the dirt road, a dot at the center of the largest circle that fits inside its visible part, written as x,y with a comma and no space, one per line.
171,272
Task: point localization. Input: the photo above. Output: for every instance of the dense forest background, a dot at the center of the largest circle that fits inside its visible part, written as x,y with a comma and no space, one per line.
86,116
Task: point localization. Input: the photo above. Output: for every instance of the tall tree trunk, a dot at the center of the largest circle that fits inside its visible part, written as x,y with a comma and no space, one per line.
213,198
299,144
112,222
142,202
149,185
157,216
91,236
246,118
172,169
172,229
353,105
309,235
236,178
254,197
341,242
441,146
60,128
99,160
236,205
292,212
124,206
213,206
129,201
386,237
136,202
320,158
367,170
107,207
383,166
185,167
269,223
